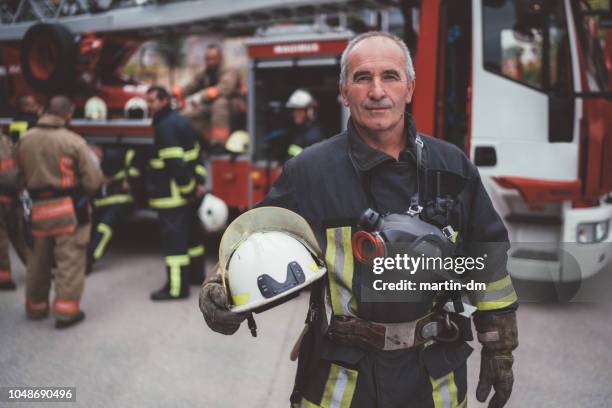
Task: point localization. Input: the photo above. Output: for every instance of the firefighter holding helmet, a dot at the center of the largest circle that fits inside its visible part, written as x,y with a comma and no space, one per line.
175,184
59,172
365,349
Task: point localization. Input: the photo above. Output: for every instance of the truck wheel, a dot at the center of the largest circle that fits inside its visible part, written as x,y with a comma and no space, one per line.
48,58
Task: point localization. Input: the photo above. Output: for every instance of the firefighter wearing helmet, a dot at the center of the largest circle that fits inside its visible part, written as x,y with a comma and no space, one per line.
367,194
305,130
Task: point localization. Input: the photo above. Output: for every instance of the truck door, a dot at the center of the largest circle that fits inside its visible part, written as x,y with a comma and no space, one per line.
524,51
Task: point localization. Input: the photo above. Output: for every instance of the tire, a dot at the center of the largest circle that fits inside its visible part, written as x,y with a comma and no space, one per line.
48,58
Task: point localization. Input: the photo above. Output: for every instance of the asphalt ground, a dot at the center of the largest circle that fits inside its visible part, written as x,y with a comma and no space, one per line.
131,352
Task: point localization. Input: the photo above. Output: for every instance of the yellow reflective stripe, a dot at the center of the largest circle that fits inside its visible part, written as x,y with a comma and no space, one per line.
19,127
133,172
187,188
171,153
114,199
444,391
240,299
498,303
196,251
339,260
107,233
294,150
192,154
200,170
175,199
129,156
120,175
340,387
304,403
500,284
175,262
156,163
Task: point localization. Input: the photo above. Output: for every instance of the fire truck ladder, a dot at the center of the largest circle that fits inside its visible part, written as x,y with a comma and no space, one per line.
102,16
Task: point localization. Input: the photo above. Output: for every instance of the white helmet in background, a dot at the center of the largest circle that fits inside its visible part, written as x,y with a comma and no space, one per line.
237,142
136,108
95,109
213,213
267,254
299,99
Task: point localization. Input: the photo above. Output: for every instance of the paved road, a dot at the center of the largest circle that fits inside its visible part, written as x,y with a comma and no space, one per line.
131,352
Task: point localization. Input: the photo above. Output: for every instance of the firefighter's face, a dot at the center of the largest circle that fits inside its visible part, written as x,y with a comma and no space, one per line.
377,87
299,116
154,103
212,58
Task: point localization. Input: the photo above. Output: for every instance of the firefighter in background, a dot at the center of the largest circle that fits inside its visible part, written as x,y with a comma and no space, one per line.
176,186
28,111
59,171
304,131
212,96
11,228
114,201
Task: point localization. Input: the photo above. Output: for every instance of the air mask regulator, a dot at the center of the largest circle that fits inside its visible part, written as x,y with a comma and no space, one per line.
385,234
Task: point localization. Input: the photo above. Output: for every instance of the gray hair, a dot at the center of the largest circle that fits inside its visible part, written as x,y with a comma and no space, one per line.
370,34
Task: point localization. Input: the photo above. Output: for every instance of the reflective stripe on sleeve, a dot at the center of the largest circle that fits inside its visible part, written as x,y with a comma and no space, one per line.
200,170
187,188
174,152
498,295
196,251
294,150
192,154
339,260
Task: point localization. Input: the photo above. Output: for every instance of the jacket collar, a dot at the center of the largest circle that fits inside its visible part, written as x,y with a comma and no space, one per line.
48,120
365,157
165,111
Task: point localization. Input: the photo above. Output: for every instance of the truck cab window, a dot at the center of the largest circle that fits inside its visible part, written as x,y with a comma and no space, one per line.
526,41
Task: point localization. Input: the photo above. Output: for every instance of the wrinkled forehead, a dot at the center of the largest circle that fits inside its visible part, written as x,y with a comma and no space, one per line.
377,52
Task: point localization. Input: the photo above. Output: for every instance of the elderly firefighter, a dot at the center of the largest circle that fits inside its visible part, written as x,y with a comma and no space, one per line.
388,349
212,97
114,202
176,186
11,227
59,172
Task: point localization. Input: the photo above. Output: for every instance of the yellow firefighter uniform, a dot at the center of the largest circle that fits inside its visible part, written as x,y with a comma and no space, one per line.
59,171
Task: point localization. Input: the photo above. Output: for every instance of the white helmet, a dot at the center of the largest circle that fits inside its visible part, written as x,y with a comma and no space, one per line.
267,254
136,108
95,108
299,99
237,142
213,213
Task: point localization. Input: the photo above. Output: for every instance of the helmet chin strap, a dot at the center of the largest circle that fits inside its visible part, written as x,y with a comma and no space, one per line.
252,324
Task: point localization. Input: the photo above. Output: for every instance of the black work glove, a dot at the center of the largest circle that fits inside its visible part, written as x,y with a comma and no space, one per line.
215,307
498,334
